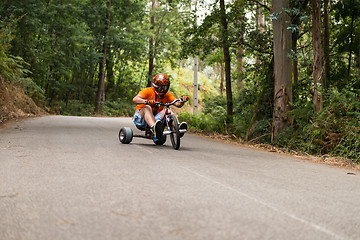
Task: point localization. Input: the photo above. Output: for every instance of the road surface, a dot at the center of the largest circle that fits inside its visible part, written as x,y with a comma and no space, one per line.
70,178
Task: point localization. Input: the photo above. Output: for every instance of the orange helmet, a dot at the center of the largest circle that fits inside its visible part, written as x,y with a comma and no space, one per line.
161,83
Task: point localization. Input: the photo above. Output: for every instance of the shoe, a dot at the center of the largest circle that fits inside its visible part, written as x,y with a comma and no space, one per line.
182,125
157,129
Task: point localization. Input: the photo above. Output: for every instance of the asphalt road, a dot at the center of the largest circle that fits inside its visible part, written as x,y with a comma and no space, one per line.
71,178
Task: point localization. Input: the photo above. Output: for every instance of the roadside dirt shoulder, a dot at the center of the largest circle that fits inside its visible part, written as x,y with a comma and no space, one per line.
15,104
325,159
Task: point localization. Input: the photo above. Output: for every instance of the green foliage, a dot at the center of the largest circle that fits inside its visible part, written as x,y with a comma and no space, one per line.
182,81
118,108
214,114
33,90
334,131
74,108
14,68
208,123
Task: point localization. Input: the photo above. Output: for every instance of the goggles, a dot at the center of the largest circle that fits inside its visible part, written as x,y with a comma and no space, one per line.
162,89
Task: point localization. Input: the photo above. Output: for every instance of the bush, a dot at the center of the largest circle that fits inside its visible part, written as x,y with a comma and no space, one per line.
201,121
213,116
118,108
334,131
109,108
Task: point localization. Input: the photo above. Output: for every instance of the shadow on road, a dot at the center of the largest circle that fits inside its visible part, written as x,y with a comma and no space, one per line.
163,147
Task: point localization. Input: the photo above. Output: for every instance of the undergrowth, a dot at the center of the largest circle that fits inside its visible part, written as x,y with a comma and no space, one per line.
334,131
117,108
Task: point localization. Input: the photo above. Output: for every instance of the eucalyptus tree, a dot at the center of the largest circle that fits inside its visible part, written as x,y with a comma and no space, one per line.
282,67
104,48
297,12
226,50
319,71
151,43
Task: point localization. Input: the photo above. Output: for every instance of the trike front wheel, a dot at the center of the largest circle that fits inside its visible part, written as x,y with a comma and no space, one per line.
174,131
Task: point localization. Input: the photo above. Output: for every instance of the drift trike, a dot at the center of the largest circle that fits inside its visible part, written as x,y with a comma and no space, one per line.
171,127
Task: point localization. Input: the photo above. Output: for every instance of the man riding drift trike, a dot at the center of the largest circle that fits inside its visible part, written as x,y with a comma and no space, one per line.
153,114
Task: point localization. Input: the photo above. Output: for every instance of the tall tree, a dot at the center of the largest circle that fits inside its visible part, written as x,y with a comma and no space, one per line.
151,43
319,72
226,46
298,13
358,52
282,67
103,43
327,38
222,78
240,53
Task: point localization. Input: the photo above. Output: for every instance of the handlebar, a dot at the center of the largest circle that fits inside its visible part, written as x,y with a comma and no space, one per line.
164,104
168,104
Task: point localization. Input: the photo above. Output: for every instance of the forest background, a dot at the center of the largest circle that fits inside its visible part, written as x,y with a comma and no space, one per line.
284,72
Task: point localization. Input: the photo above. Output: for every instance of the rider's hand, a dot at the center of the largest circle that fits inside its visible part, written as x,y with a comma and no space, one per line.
184,98
150,102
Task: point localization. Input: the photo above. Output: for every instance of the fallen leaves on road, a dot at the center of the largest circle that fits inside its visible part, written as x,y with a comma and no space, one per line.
63,221
176,231
125,214
10,195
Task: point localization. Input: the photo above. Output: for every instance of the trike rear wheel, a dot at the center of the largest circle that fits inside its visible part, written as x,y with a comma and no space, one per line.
125,135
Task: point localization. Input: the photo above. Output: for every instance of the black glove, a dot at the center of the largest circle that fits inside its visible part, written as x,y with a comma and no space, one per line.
150,102
184,98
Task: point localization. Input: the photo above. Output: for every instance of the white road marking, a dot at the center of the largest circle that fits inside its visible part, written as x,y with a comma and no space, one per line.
290,215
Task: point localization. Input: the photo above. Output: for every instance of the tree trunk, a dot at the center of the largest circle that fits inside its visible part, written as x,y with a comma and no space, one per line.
151,45
357,55
100,91
227,59
240,53
295,21
282,68
2,81
240,68
222,78
326,40
260,23
295,70
48,82
110,85
68,95
351,40
260,19
318,57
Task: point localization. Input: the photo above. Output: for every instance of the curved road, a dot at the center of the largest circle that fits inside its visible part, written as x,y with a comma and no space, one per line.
70,178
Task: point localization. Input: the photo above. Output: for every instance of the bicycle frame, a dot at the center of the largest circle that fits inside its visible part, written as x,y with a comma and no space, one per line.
166,117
